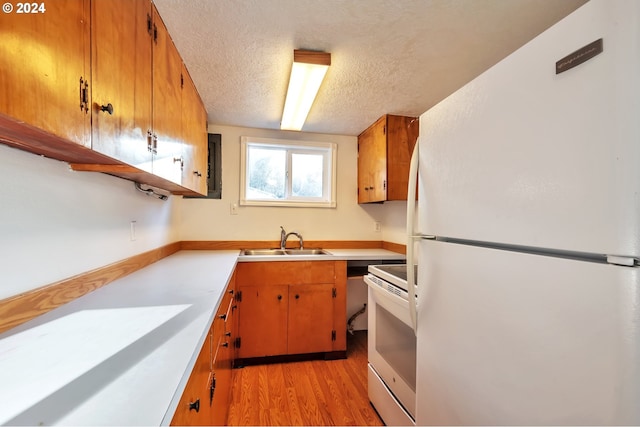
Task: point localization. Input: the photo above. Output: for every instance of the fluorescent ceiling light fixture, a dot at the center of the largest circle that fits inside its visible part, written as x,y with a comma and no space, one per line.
307,73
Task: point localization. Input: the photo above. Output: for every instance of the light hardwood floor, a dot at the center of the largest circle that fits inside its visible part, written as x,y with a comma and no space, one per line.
318,392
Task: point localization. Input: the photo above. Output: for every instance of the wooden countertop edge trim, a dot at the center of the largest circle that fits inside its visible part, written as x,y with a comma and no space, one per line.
21,308
395,247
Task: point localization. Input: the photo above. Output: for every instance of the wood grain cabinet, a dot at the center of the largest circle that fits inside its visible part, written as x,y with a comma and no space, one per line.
168,161
194,134
194,408
100,84
384,155
44,69
121,35
205,399
291,307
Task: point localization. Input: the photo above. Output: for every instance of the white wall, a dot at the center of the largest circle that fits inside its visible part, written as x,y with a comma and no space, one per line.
394,222
56,223
212,220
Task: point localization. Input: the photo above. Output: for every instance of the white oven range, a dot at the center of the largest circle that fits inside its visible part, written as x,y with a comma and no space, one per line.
391,346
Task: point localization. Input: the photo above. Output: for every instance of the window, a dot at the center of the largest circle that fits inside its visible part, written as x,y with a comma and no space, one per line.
287,173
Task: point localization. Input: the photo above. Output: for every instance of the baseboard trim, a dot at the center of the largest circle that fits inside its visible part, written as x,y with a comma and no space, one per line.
288,358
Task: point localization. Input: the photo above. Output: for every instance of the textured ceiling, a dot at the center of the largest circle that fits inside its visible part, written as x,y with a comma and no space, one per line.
387,56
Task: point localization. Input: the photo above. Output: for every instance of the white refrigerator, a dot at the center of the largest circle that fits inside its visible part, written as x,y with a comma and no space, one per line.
528,234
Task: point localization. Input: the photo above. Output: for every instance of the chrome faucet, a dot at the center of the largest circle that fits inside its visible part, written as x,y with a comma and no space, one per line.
284,236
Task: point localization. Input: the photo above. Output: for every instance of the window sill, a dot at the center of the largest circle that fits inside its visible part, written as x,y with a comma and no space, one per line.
288,203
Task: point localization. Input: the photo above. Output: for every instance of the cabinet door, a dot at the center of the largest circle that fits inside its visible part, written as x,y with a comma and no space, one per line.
340,306
194,134
222,369
121,77
193,408
262,320
310,318
402,133
167,102
372,163
43,59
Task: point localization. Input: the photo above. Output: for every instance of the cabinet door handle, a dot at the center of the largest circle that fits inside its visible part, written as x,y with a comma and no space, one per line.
297,296
198,174
195,405
107,108
84,95
223,316
279,297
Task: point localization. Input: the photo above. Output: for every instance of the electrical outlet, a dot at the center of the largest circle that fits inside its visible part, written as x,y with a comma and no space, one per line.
377,226
132,235
234,208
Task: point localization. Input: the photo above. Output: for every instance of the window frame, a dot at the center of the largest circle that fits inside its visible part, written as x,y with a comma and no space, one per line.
329,151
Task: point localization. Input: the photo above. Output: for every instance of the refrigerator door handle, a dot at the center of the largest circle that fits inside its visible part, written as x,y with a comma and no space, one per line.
411,236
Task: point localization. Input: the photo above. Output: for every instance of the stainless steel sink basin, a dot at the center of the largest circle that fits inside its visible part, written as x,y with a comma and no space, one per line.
269,252
306,252
275,252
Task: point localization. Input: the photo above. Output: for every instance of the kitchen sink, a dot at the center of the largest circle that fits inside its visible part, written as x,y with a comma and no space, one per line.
292,252
269,252
306,252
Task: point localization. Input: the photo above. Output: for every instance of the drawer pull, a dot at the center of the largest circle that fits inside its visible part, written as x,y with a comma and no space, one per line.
195,405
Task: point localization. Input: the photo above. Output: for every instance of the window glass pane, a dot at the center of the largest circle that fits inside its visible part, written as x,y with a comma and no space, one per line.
306,175
266,173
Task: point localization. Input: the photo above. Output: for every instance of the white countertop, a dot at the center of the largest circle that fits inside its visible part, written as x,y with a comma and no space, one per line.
122,355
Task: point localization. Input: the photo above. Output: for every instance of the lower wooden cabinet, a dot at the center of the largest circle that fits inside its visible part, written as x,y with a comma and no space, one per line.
290,307
205,400
310,328
262,320
194,408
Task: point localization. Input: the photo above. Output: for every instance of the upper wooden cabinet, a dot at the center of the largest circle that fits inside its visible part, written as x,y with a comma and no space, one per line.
167,104
121,34
194,132
44,69
100,84
384,155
